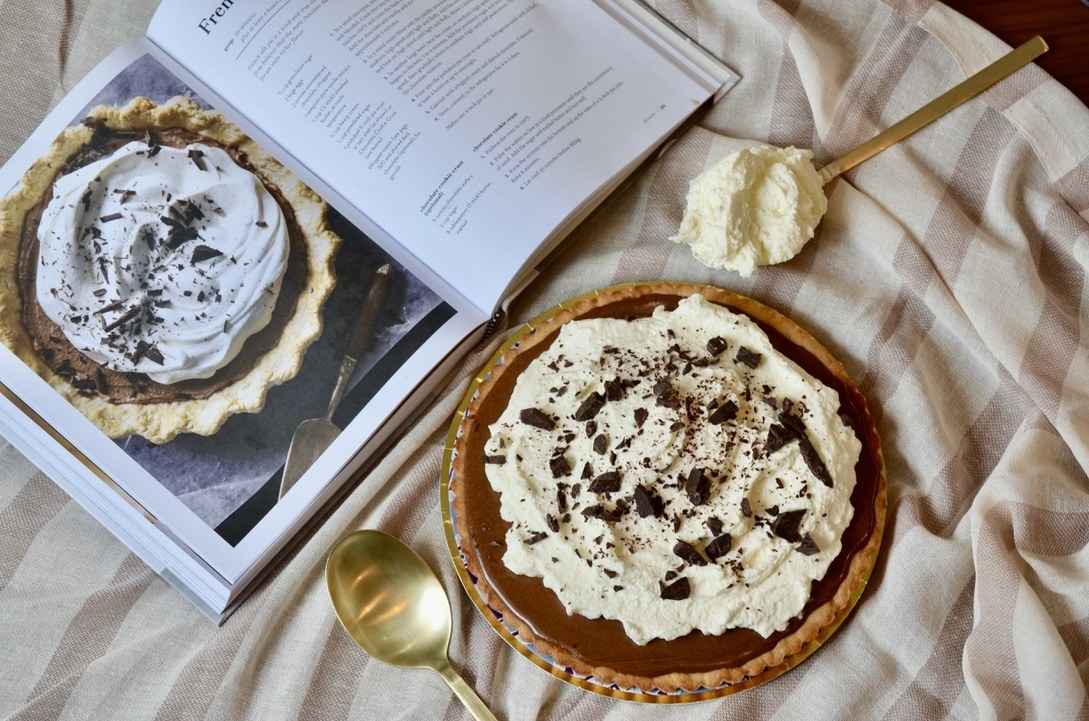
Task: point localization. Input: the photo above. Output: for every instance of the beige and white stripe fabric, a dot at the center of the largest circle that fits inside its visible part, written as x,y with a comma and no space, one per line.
949,276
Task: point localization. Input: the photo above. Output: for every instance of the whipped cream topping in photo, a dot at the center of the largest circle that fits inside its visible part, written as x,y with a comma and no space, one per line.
755,207
675,473
161,260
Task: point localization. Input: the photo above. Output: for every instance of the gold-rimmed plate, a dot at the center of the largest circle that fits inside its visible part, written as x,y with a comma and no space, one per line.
872,496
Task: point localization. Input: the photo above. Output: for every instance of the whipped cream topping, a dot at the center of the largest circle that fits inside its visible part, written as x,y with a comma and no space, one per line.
756,207
160,260
675,473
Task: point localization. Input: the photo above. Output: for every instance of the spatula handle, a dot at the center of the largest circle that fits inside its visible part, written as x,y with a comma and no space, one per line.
952,98
364,321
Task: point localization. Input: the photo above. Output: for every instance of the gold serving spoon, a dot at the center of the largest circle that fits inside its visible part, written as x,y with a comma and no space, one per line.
392,604
939,106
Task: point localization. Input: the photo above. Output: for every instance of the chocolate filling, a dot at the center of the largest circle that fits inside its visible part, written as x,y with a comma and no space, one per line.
88,376
601,642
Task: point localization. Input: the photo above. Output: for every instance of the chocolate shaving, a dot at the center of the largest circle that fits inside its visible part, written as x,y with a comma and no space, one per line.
111,217
496,460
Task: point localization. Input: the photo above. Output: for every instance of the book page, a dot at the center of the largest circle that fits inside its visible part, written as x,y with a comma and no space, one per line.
469,131
132,226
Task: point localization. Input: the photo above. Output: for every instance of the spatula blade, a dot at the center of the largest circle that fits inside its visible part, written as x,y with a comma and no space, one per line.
311,439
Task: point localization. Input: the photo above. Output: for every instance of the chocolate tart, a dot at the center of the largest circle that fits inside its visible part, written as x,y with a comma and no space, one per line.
121,403
596,654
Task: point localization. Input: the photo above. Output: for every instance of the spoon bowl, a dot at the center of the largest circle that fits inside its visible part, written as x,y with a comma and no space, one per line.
388,599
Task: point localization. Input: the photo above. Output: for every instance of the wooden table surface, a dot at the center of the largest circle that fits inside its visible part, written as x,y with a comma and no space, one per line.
1063,24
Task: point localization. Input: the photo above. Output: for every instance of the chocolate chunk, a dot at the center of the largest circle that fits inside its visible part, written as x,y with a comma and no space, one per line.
590,407
111,217
647,502
558,465
676,591
748,357
790,420
726,412
714,525
600,444
614,389
197,156
641,417
608,482
496,459
536,538
537,418
697,486
666,395
599,511
785,526
553,524
716,345
778,436
813,461
689,554
808,547
719,547
204,252
591,428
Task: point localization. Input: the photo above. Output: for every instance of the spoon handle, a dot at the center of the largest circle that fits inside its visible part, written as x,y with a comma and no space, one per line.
952,98
464,692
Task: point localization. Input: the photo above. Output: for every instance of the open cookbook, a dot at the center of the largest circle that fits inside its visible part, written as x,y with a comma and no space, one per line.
289,219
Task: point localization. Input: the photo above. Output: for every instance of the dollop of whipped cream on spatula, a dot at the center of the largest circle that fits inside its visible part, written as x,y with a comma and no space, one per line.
755,207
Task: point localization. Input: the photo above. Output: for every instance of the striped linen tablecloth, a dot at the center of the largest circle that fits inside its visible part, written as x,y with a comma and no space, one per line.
949,276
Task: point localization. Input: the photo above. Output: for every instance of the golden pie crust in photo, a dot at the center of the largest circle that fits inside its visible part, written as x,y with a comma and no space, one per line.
123,404
699,665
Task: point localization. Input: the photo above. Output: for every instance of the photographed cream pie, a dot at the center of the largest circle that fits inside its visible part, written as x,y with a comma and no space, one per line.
668,487
161,270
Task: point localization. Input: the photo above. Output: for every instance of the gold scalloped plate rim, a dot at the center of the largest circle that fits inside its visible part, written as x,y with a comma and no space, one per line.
528,650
